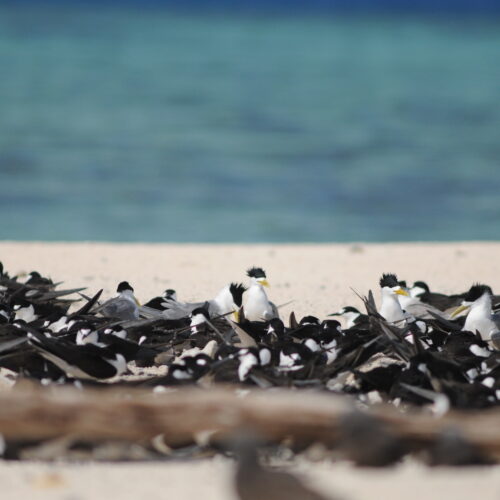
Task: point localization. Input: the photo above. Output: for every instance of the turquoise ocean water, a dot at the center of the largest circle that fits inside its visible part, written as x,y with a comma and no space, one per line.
155,125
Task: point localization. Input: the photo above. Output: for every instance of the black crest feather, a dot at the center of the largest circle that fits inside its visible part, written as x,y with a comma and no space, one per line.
476,291
389,280
256,272
124,285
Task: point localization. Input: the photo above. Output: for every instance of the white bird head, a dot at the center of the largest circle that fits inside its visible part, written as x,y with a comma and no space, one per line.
258,276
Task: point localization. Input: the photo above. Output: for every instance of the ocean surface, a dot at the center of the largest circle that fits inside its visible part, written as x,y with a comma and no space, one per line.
121,124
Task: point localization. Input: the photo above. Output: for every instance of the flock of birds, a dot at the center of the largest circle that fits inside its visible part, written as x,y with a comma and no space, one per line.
418,348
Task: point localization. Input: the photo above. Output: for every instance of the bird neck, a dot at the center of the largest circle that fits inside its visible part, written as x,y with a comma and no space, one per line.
390,309
256,290
480,309
127,294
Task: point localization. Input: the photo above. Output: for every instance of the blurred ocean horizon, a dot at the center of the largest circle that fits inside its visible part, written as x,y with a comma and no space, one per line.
121,124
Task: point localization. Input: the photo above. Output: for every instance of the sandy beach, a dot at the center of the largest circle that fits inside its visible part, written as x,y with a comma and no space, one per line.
319,279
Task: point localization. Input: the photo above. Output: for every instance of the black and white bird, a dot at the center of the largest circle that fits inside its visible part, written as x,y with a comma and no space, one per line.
159,303
199,318
480,317
352,317
391,309
220,305
441,301
87,361
256,305
24,310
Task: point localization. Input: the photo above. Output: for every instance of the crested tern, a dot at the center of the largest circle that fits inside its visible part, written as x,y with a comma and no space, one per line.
480,317
256,305
390,308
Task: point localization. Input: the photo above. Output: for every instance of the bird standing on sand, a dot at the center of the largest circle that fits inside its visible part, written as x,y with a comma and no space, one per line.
256,305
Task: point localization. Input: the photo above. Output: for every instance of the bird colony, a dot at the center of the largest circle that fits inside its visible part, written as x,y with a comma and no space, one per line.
417,348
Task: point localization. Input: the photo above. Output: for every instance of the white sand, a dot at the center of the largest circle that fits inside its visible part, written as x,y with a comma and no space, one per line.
318,278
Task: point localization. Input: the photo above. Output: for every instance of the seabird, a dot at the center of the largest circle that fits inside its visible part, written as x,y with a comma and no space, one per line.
441,301
390,308
123,306
480,317
86,361
86,334
351,316
24,310
256,305
199,317
413,306
159,302
220,305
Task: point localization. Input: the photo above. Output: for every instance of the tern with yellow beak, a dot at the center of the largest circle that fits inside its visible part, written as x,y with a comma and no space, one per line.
256,305
480,317
390,308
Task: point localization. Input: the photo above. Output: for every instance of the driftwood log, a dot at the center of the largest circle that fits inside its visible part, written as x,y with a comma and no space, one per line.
135,415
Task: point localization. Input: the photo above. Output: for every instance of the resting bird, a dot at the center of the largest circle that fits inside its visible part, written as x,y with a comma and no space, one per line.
413,306
123,306
352,316
480,317
159,302
85,361
256,305
390,308
223,303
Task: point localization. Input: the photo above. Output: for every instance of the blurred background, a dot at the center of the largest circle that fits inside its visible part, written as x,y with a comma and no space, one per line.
250,121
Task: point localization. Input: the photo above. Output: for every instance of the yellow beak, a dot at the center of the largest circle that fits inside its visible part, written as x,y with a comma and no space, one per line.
400,291
236,315
458,310
264,282
137,302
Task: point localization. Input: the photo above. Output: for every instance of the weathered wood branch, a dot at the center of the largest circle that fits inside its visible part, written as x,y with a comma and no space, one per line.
134,415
